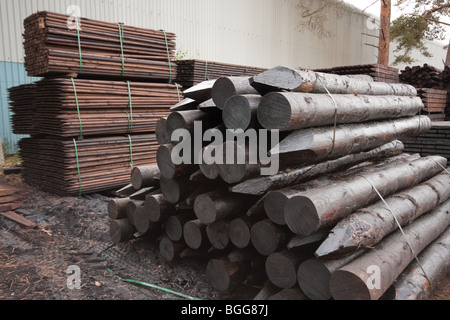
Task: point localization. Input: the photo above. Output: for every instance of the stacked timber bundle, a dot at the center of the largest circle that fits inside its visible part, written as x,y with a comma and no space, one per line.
425,76
446,79
94,115
23,108
10,197
76,167
379,73
435,102
193,72
435,142
73,107
339,154
96,49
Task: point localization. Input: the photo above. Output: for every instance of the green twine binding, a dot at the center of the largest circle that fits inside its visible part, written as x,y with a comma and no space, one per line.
131,152
78,169
160,288
168,57
79,44
206,70
130,105
78,109
121,35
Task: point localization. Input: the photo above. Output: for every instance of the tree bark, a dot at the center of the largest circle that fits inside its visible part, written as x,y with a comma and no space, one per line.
317,208
385,31
316,144
435,260
391,256
370,225
287,111
285,79
260,185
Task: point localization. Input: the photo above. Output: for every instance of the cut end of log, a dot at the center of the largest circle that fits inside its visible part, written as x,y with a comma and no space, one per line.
237,113
281,271
345,285
273,205
274,111
266,237
240,233
205,209
193,234
301,216
218,275
141,220
174,229
314,280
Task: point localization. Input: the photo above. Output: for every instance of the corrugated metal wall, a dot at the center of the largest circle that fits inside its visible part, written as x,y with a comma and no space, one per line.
260,33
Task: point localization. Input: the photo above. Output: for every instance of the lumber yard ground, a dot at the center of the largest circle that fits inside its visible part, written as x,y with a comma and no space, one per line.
74,232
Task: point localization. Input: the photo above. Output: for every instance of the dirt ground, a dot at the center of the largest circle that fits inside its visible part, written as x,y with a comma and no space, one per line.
75,232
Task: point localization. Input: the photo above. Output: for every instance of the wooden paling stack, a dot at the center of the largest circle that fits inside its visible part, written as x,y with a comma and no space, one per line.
379,73
194,71
23,108
435,142
99,50
105,107
73,167
425,76
9,197
435,102
339,151
93,117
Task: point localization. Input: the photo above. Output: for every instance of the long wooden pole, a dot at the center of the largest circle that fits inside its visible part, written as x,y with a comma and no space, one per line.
370,276
370,225
314,209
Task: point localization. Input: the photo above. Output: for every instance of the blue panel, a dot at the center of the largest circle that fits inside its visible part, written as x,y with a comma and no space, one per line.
12,74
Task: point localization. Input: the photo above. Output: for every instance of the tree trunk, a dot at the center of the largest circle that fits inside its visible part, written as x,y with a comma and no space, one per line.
447,59
385,19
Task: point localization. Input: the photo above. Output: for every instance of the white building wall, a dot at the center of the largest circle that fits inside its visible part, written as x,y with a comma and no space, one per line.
261,33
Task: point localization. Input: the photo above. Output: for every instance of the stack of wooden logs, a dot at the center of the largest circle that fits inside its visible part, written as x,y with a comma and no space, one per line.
57,44
339,153
435,102
379,73
425,78
94,116
435,142
193,72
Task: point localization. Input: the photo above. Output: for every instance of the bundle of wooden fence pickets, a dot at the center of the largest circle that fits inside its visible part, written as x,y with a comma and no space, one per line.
343,186
57,44
93,117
